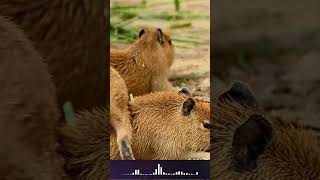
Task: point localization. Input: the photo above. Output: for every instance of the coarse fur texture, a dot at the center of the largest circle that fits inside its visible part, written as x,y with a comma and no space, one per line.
169,136
86,145
284,150
162,132
29,112
145,64
119,114
71,36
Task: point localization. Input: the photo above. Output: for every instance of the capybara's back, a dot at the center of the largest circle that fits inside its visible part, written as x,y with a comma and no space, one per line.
246,145
28,111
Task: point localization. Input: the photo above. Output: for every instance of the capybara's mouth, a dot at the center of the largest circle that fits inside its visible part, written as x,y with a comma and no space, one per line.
208,149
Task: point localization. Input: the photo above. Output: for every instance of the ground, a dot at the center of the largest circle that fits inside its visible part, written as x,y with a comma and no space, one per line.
191,67
274,47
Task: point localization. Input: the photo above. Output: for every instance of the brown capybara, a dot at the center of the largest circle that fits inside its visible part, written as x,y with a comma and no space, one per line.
246,145
71,36
28,111
168,126
145,64
119,114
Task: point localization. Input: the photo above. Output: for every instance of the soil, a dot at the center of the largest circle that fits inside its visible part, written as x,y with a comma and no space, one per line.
274,47
288,87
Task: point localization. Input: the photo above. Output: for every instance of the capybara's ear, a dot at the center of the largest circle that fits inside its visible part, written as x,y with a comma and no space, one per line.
160,36
188,106
250,140
185,91
239,92
141,32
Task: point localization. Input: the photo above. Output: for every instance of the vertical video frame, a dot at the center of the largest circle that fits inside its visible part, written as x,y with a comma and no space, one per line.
159,89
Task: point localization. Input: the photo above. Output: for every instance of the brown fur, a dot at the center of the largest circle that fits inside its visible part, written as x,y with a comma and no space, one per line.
87,145
168,136
162,132
119,114
89,162
71,36
28,111
292,154
145,65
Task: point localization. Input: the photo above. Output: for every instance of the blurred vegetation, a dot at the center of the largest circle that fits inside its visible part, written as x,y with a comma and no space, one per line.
122,29
183,80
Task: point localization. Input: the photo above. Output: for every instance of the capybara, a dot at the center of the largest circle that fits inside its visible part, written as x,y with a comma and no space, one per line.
168,126
145,64
119,114
71,37
28,111
247,145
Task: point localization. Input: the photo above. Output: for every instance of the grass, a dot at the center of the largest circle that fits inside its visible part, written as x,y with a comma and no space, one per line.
123,30
69,113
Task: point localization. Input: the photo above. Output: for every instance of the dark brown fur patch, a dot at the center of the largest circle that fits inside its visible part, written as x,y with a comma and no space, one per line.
71,35
28,111
86,145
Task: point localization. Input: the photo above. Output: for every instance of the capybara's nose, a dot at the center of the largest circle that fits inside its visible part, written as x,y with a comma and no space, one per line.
239,92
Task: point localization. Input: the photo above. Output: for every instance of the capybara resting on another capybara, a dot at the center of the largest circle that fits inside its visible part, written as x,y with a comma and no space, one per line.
28,111
247,145
166,125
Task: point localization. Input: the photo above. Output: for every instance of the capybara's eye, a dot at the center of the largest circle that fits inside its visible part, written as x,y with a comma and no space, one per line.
207,125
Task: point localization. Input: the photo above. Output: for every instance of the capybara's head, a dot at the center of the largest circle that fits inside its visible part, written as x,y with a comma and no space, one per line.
169,125
156,39
248,145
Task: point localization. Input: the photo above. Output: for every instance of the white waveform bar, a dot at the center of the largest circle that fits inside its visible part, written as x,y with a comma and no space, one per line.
158,172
